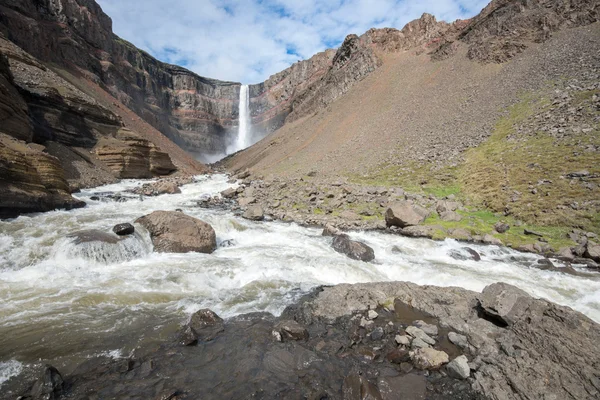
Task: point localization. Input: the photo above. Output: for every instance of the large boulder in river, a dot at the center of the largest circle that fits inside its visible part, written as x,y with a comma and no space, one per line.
353,249
176,232
254,213
405,214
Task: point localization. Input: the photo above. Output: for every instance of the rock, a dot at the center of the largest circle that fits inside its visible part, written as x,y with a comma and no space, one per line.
429,329
254,213
403,214
532,233
460,234
428,358
402,340
503,303
356,387
418,343
464,253
229,193
450,216
227,243
49,386
419,231
565,254
459,368
419,333
377,333
93,235
290,330
459,340
372,314
245,201
124,229
592,251
501,227
397,356
330,230
353,249
204,325
489,239
176,232
243,175
444,206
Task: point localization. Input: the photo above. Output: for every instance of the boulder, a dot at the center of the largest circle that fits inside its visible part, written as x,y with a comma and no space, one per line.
428,358
404,213
245,201
203,326
418,333
229,193
357,387
464,254
353,249
93,235
176,232
458,340
459,368
489,239
243,175
450,216
420,231
254,213
49,386
444,206
503,303
330,230
501,227
565,254
124,229
460,234
592,251
289,330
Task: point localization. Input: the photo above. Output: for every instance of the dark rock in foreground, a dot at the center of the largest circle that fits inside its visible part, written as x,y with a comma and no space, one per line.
500,344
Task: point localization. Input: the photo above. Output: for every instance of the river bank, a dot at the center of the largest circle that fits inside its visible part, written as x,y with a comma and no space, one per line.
122,308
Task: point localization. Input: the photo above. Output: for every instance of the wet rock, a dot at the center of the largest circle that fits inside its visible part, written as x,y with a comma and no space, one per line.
429,329
459,340
501,227
402,340
428,358
203,326
419,231
420,334
124,229
406,387
353,249
254,213
229,193
176,232
356,387
290,330
418,343
397,356
403,214
49,386
459,368
464,254
377,333
503,303
592,251
330,230
93,235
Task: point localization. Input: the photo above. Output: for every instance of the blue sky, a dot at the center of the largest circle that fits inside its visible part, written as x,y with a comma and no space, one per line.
249,40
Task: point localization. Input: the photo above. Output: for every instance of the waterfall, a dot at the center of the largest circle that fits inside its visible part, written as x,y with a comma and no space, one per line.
244,127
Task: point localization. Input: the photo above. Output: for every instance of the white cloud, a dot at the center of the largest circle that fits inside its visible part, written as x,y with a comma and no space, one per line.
248,40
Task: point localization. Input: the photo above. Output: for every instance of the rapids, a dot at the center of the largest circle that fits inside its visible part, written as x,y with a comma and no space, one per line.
62,304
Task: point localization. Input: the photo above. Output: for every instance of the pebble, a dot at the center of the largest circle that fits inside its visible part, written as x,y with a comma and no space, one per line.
372,314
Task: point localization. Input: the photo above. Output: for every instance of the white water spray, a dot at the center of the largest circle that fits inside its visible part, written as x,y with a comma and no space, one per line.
244,127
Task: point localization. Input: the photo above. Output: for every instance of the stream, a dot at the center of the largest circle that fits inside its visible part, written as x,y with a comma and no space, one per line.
62,304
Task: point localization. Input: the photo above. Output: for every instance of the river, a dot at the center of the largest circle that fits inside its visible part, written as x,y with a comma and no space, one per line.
61,304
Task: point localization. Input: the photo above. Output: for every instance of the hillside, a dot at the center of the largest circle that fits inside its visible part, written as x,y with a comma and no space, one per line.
500,111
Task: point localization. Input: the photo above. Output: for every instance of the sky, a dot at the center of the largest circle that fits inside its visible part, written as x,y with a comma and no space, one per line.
249,40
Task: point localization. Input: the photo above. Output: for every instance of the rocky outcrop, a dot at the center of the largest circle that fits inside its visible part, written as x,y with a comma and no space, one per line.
31,180
176,232
131,156
193,111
